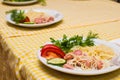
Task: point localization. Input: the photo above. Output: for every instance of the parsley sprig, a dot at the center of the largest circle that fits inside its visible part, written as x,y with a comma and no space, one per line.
17,15
67,43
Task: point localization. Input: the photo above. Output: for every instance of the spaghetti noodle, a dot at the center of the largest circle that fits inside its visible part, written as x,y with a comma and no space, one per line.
87,58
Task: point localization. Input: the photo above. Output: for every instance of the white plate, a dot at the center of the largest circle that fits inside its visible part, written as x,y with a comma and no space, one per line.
57,17
20,3
86,72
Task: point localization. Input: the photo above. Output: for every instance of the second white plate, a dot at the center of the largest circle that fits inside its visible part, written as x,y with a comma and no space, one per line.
57,17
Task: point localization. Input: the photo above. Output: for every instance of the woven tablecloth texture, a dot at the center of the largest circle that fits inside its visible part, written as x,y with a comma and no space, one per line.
75,12
25,50
19,46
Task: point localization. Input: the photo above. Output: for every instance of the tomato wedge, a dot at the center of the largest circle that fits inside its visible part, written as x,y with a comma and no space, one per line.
25,20
45,51
51,55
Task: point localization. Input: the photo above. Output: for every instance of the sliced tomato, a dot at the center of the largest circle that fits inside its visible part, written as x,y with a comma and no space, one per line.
51,55
25,20
52,48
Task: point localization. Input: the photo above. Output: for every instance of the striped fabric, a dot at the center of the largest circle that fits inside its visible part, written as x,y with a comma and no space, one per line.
19,46
25,49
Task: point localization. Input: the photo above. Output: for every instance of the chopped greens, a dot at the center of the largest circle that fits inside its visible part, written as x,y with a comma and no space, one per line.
67,43
17,15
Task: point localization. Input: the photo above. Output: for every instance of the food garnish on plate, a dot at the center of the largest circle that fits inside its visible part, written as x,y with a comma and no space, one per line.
78,52
31,17
39,17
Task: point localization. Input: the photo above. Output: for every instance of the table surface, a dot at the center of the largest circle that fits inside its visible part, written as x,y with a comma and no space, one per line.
80,17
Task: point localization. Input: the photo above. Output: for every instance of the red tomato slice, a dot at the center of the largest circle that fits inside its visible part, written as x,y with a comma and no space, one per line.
52,48
51,55
25,20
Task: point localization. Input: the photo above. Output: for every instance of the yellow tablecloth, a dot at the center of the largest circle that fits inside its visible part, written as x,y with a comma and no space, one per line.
19,45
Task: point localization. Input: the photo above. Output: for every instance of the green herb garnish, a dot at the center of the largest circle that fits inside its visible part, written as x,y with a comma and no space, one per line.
67,43
17,15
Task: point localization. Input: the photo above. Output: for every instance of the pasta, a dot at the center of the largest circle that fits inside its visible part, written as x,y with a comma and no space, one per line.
101,51
87,58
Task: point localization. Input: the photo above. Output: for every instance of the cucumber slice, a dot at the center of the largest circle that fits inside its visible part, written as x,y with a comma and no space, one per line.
29,23
56,61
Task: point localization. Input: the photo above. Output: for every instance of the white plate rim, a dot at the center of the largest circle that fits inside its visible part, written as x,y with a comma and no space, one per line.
20,3
85,73
57,16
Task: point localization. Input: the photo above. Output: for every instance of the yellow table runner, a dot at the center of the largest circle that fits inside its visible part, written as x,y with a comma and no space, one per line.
77,13
25,49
